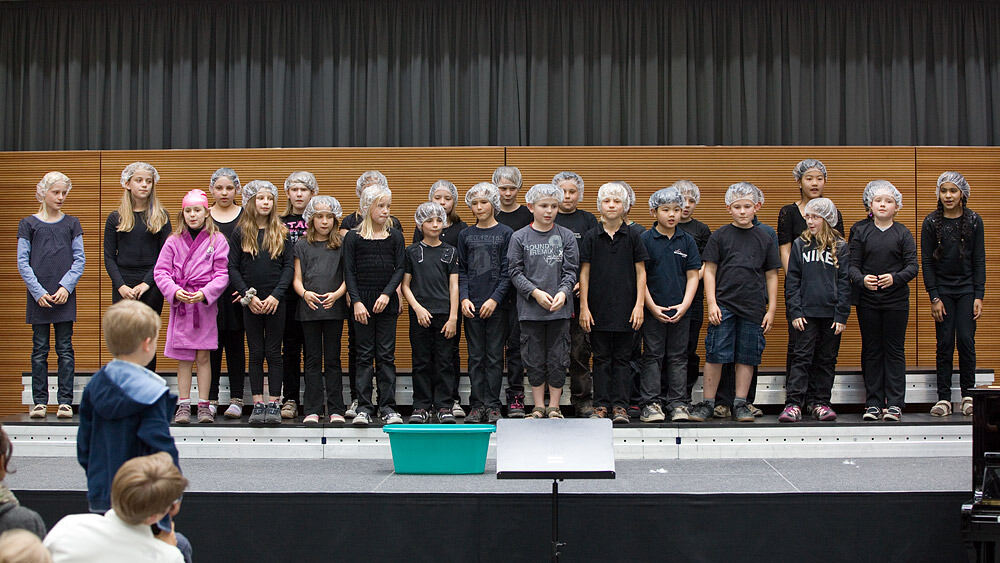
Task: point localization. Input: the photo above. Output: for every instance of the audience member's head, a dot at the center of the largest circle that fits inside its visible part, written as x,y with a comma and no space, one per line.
146,487
21,546
6,451
129,327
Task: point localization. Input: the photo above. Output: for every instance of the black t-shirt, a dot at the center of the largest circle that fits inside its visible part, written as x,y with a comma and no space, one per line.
612,293
449,234
517,219
579,222
698,230
431,267
791,224
353,220
743,256
322,272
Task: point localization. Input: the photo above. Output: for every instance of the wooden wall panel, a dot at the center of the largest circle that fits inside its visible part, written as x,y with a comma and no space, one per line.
981,166
713,169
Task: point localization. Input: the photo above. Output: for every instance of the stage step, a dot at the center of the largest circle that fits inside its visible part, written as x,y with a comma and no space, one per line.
848,388
919,435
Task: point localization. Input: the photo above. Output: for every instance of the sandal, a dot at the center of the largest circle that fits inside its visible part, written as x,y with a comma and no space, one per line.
66,411
39,411
553,412
537,412
967,406
941,408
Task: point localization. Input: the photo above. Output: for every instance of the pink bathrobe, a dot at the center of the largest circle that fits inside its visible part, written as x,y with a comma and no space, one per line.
201,265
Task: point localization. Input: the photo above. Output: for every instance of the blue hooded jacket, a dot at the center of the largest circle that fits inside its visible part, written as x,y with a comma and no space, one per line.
125,412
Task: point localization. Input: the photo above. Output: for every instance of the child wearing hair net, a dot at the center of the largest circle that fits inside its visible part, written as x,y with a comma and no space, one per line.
700,231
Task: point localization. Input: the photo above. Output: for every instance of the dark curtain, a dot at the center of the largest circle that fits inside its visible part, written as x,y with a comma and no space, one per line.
138,75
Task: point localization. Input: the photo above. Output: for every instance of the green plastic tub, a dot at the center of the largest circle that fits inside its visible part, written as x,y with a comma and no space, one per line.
439,449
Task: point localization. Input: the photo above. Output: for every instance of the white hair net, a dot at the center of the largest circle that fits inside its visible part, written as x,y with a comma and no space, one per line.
129,171
368,178
666,196
443,185
615,190
744,190
631,192
49,180
880,187
484,190
320,201
572,177
254,187
509,173
228,173
805,165
427,211
542,191
688,189
953,178
823,207
373,194
303,177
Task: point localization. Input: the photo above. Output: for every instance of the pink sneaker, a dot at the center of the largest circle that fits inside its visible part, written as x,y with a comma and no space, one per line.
824,413
791,413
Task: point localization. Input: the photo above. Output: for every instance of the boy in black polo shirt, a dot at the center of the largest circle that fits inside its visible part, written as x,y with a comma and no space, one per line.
741,259
612,258
430,285
672,282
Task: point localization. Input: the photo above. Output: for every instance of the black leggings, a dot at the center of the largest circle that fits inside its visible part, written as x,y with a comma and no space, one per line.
958,327
264,334
883,355
376,342
321,340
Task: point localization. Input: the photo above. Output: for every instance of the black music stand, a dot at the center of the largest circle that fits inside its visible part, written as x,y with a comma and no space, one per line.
555,449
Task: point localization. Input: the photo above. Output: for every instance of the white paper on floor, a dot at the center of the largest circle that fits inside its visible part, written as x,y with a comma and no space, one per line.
660,470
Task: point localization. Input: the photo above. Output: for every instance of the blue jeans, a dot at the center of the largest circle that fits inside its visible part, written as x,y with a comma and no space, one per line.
40,362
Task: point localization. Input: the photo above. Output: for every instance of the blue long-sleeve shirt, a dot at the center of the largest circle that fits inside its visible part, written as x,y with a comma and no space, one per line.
482,264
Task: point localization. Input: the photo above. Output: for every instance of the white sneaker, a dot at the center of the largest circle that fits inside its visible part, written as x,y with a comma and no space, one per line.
352,411
361,419
392,417
457,410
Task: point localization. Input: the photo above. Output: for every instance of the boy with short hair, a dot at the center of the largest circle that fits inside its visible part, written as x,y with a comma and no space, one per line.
145,489
740,261
700,231
543,260
579,222
507,179
672,281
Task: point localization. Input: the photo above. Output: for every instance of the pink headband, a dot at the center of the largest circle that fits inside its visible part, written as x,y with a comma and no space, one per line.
195,197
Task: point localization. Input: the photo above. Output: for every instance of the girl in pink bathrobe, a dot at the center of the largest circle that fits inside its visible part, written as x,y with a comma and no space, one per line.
192,273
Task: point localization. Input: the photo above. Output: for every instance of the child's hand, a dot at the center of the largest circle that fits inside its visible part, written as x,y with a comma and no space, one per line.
871,282
586,319
450,328
885,280
45,301
237,297
637,317
800,324
938,311
196,297
558,301
181,295
977,309
138,290
468,309
543,299
381,303
679,312
126,292
312,300
838,327
423,315
270,305
576,289
486,310
327,300
61,296
768,322
714,315
360,313
256,305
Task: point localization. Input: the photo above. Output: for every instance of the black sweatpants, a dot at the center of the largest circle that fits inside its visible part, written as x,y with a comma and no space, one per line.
291,351
264,333
230,341
545,351
813,363
485,341
433,370
376,343
697,315
612,369
321,345
958,327
883,355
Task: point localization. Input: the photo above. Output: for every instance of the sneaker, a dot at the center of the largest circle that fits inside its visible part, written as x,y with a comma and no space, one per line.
214,407
619,415
872,413
791,413
743,413
941,408
183,414
537,412
584,409
475,415
700,412
493,415
361,419
893,414
600,412
257,415
722,411
824,413
66,411
553,412
515,406
651,414
445,417
311,419
272,414
38,411
337,420
966,406
352,411
205,414
457,410
679,413
391,417
419,416
289,410
755,411
235,409
634,411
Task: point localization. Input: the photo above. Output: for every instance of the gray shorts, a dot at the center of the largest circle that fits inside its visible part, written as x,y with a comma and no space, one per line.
545,351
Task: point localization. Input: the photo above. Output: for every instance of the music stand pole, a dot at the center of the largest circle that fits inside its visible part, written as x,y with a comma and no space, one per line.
556,544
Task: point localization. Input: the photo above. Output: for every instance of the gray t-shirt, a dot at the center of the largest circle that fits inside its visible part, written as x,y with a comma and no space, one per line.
322,272
546,261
